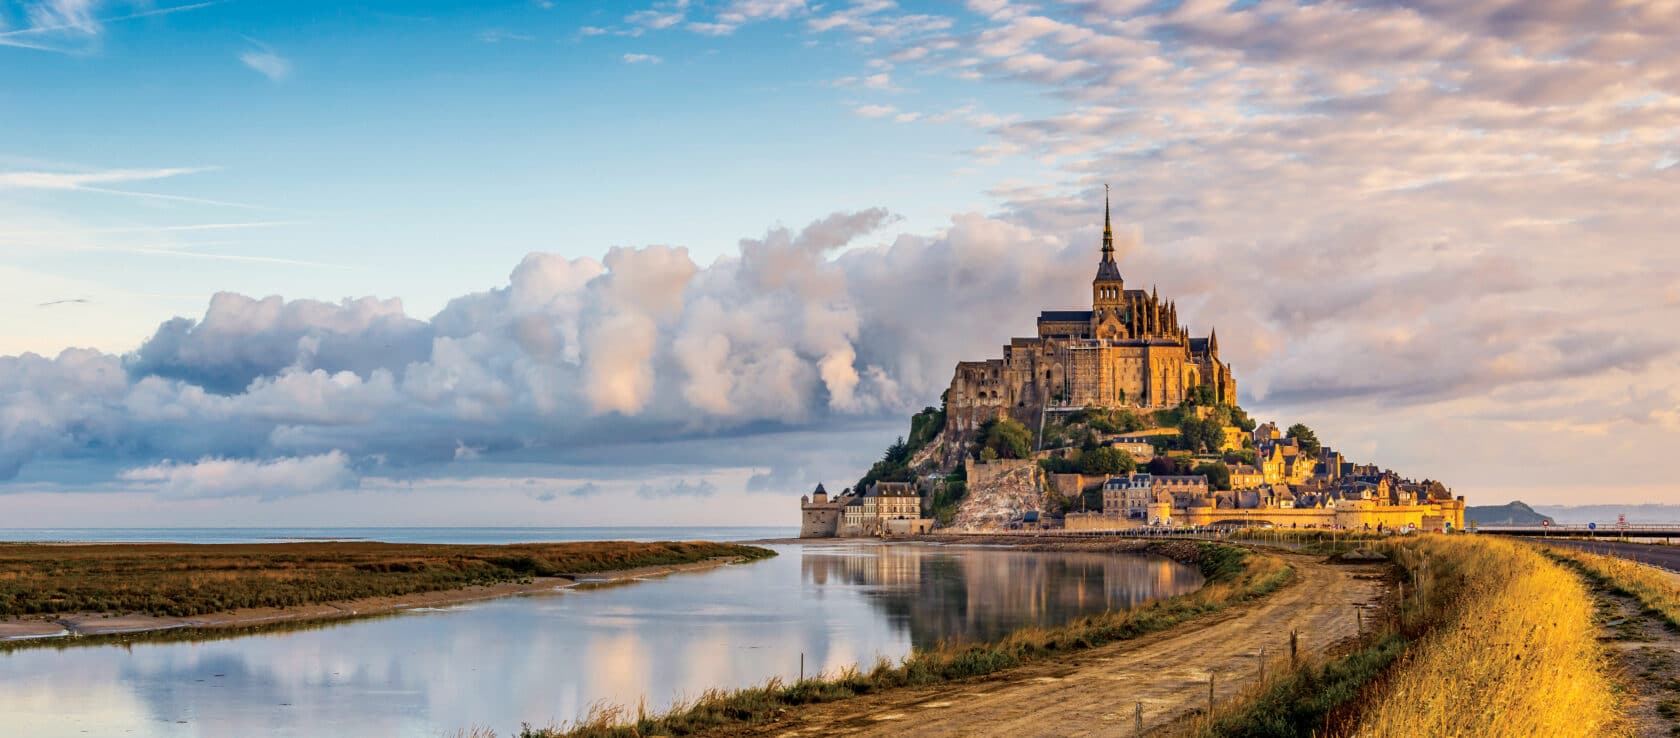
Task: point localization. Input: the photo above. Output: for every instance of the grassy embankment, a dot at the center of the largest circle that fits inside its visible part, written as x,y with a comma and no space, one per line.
1655,590
1232,575
180,580
1490,639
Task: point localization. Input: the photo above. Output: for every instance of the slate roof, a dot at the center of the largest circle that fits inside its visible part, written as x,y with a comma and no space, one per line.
1065,316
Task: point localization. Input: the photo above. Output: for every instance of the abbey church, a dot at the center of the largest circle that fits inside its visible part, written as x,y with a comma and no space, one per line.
1128,350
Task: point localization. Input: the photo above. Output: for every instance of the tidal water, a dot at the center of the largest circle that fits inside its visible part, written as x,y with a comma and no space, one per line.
547,658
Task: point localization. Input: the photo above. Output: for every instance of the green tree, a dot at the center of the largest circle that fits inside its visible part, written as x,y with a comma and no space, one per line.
924,426
1203,395
1106,460
1006,437
1218,474
1201,436
988,454
1241,419
1130,422
1305,438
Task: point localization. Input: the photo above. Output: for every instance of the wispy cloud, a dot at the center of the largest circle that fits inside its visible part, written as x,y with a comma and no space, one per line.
185,254
642,59
874,111
85,181
80,180
146,229
59,25
498,35
266,61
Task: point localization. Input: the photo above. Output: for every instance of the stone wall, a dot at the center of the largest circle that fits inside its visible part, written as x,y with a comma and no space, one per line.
819,522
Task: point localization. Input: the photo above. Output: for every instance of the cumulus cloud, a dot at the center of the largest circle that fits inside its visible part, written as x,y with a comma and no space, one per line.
642,59
640,345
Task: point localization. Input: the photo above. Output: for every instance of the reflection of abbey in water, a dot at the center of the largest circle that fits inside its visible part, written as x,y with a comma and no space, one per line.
982,594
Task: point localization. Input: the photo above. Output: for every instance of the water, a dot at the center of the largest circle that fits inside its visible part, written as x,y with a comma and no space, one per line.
397,535
546,658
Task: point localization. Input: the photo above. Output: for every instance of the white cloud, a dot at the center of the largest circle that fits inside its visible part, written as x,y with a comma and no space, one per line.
79,180
642,59
874,111
216,477
267,62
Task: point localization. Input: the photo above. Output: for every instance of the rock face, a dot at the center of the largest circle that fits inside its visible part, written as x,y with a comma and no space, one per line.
999,492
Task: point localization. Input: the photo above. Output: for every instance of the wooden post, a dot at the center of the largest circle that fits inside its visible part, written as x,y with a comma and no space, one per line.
1139,715
802,666
1294,647
1262,665
1359,620
1210,695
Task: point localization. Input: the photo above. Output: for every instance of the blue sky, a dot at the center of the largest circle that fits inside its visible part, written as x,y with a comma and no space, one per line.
467,134
451,262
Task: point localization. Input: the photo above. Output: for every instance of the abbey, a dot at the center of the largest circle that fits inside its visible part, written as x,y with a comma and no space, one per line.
1128,350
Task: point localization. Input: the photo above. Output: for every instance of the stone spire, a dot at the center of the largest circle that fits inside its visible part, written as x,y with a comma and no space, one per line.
1213,342
1107,270
1108,228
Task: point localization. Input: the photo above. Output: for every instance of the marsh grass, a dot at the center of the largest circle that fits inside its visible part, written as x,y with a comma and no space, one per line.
1232,575
196,579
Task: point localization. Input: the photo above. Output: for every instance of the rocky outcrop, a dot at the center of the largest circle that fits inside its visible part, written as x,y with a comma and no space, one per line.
1000,492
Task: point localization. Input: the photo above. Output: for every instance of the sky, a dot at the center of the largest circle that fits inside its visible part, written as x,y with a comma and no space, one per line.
675,262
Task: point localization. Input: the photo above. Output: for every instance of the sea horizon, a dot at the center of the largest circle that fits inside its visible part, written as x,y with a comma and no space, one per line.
468,534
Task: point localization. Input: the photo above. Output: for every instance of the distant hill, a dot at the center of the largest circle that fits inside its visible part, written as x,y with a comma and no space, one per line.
1510,513
1606,514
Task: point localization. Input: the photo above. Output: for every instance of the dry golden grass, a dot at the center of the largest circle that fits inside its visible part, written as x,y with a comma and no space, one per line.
1508,648
1656,590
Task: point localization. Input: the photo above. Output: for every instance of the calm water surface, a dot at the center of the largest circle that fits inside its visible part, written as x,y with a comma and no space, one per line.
547,658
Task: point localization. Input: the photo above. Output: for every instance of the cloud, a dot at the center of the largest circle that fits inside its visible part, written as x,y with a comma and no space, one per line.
499,35
642,59
72,26
81,180
874,111
676,488
268,63
587,489
216,477
640,346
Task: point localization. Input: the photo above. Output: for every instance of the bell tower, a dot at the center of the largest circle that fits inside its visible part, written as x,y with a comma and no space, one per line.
1108,290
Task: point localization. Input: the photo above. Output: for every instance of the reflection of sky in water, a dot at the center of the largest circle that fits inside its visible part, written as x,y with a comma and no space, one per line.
545,659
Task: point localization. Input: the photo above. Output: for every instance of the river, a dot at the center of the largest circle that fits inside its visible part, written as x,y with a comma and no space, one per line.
546,658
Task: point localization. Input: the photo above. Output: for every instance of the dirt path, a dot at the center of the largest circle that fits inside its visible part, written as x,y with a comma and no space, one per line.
1095,692
1647,652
